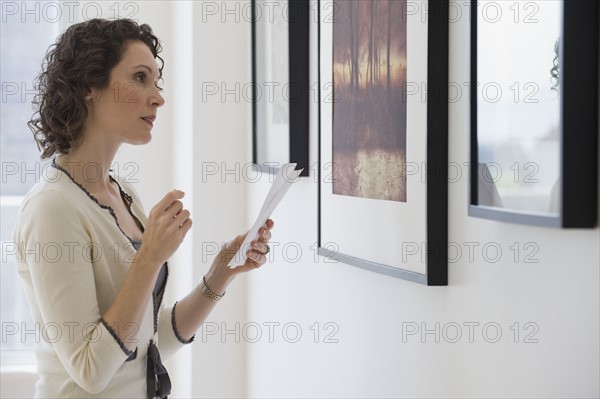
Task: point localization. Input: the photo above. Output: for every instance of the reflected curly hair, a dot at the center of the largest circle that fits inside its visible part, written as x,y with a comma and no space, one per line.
555,70
81,59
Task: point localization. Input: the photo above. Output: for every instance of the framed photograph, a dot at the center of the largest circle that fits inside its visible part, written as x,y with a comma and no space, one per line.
280,86
534,110
383,136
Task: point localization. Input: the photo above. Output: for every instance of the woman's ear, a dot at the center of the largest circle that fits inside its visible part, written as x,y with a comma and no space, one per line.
91,95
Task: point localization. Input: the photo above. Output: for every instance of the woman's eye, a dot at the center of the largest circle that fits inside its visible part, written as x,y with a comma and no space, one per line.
141,77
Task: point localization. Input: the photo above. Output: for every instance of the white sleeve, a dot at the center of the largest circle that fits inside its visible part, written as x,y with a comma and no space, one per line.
169,339
64,288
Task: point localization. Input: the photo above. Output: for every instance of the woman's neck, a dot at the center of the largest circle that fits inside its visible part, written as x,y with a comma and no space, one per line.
89,164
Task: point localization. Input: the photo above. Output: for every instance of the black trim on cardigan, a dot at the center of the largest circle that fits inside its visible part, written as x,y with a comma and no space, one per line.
174,323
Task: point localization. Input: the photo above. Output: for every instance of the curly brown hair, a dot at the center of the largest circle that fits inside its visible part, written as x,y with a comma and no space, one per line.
81,59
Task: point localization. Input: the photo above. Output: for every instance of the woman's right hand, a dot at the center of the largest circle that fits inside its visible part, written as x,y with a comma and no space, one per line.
167,225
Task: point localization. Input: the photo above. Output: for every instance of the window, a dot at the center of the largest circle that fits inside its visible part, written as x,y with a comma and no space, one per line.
26,32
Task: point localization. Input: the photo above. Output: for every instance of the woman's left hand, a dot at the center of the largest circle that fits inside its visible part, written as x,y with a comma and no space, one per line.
220,275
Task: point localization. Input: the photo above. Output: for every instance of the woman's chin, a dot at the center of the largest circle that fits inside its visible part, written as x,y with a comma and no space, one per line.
140,140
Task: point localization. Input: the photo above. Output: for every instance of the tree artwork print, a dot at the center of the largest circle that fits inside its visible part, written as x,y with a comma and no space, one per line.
369,100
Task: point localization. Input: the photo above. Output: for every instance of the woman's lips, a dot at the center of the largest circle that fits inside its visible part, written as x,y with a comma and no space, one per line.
149,119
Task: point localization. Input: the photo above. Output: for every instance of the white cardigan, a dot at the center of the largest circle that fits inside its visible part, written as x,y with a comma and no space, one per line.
73,259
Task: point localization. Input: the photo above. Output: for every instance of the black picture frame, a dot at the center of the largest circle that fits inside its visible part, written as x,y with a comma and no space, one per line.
436,208
578,169
299,99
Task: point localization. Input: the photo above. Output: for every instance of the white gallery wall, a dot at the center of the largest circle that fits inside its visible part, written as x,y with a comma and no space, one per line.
503,327
516,323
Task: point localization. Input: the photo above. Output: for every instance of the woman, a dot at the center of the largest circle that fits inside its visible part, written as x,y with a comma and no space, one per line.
93,265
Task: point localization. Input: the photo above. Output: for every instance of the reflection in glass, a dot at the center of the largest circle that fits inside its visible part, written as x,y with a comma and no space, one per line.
272,88
519,105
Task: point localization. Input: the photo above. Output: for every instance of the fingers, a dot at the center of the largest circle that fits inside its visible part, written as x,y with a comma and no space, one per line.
264,233
260,247
171,208
167,201
254,261
185,226
257,254
270,223
167,225
174,209
168,219
256,258
180,222
181,216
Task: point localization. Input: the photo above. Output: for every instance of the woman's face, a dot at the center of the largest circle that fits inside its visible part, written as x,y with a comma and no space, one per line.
127,107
